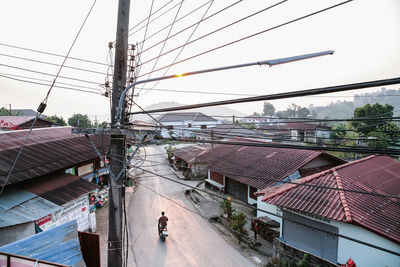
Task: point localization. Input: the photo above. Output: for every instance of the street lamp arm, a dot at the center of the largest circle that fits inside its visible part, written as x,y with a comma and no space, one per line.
271,62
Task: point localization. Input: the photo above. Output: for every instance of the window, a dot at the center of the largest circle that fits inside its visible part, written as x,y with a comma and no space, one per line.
203,126
189,125
170,127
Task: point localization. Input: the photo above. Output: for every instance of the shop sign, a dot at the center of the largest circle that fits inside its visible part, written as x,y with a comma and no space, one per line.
85,169
43,220
71,171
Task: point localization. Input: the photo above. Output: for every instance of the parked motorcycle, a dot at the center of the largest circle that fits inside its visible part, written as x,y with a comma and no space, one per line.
162,232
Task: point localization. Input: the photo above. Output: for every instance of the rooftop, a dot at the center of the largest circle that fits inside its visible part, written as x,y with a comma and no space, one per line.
189,153
376,174
259,166
184,116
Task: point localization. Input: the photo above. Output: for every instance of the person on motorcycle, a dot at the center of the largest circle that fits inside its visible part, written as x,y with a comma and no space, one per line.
162,222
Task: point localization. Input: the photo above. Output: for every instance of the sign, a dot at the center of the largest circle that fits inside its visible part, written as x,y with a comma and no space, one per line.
70,171
85,169
43,220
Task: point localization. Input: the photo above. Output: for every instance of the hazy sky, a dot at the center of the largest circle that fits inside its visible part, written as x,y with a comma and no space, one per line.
364,34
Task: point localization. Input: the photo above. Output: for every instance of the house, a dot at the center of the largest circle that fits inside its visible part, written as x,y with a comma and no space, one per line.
241,170
59,246
185,160
259,120
320,210
229,131
22,122
51,181
184,124
142,128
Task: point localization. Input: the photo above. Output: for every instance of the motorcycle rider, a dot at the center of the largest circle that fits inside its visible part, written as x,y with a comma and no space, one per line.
162,222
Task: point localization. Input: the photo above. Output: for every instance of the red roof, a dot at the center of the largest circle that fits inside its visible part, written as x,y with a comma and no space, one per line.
377,174
189,153
47,150
259,167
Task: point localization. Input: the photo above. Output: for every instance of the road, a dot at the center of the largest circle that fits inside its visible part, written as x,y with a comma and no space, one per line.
192,240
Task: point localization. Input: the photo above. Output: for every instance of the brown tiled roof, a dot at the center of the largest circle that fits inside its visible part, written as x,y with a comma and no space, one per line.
47,150
189,153
59,188
259,166
377,174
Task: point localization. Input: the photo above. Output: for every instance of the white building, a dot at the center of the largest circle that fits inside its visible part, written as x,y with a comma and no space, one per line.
184,124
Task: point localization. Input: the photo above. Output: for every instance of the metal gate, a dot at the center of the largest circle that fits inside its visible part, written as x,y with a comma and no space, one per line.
311,236
236,189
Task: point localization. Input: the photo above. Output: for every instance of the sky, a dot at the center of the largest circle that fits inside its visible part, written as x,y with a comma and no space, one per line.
364,34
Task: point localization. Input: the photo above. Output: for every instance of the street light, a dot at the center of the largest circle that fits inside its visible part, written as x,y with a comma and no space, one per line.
271,62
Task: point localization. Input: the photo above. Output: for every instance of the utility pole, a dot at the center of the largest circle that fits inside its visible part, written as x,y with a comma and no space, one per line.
117,142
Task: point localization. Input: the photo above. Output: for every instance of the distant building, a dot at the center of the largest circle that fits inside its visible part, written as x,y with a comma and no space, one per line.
229,131
184,124
22,122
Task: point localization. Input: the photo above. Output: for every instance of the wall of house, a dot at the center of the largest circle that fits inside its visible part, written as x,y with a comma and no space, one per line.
75,210
199,170
317,162
250,200
270,208
181,128
219,178
16,232
364,255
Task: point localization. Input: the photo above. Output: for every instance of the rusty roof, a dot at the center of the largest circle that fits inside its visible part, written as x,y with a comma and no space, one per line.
47,150
259,166
189,153
376,174
59,188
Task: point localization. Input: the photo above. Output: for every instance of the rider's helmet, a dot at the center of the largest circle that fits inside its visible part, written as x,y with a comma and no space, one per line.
162,213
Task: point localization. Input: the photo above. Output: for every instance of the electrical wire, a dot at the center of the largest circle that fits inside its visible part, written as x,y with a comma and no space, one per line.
49,74
210,33
251,35
307,92
52,64
188,39
57,86
53,54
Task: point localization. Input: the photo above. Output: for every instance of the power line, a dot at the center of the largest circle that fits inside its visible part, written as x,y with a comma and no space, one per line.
191,12
252,35
52,64
48,74
53,54
57,86
194,24
217,30
307,92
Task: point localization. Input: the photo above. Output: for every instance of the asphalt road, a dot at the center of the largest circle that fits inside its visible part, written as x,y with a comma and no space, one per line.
192,240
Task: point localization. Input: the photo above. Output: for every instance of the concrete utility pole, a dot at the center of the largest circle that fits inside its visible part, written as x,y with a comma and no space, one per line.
117,143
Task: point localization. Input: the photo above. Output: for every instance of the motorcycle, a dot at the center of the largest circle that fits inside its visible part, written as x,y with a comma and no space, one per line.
162,232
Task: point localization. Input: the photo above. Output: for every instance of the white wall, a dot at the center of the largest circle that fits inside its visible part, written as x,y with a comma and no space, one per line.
250,200
75,210
362,255
270,208
181,128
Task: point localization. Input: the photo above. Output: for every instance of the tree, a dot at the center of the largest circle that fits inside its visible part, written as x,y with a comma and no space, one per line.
269,109
79,120
338,133
56,120
100,125
6,112
380,134
294,111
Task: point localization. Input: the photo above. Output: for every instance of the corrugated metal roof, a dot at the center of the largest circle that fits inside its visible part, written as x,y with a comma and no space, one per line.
59,188
184,116
377,174
20,206
259,166
188,153
59,245
46,151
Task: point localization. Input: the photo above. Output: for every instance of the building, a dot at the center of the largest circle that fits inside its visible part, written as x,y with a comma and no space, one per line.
22,122
185,159
184,124
229,131
314,215
51,181
142,128
241,170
